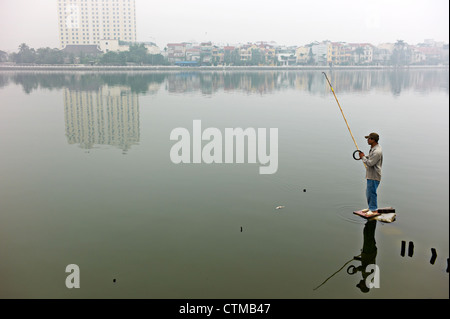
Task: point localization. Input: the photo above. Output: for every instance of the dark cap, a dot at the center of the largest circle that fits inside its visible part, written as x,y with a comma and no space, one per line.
373,136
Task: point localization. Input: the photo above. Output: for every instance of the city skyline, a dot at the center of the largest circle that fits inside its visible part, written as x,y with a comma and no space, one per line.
283,22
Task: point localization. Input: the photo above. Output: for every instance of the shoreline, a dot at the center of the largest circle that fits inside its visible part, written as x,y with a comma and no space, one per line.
207,68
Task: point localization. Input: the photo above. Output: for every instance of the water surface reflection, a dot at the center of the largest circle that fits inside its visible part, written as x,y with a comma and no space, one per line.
105,116
368,268
212,231
252,82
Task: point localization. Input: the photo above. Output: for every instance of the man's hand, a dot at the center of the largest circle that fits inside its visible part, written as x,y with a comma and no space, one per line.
361,154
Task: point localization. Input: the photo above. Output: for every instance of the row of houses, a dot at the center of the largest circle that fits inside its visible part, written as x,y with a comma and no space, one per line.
206,53
316,53
325,53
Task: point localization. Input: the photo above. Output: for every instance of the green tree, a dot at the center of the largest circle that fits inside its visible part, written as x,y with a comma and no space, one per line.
155,59
137,54
49,56
25,55
113,58
311,60
359,51
236,57
257,57
401,54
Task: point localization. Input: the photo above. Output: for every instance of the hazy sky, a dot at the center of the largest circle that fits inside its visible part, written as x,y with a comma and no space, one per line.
290,22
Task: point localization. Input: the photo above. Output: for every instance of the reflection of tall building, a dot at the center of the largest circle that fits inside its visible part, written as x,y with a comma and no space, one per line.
107,116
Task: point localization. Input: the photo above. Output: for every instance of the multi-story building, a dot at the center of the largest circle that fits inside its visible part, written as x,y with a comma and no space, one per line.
338,53
206,52
286,55
218,55
382,53
321,52
193,53
302,54
176,52
245,52
3,56
362,53
87,22
268,52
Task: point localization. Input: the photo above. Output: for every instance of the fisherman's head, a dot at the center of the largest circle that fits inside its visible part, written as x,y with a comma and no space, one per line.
362,286
372,138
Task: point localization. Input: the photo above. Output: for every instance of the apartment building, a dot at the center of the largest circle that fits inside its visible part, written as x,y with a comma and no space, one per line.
286,55
338,53
245,51
176,52
362,53
87,22
302,53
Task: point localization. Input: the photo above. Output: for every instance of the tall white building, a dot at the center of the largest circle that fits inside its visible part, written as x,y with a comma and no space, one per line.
84,22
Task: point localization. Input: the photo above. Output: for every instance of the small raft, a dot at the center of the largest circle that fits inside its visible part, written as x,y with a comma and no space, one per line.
386,214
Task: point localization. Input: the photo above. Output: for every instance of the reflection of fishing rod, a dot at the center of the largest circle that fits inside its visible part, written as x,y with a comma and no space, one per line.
354,258
354,141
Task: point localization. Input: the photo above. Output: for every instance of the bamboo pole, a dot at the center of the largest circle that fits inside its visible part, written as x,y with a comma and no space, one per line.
348,126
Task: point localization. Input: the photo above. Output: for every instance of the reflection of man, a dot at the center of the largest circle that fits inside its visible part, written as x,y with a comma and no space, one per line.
373,162
367,257
369,253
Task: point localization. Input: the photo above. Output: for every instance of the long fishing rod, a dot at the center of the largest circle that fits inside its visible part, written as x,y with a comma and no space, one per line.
348,126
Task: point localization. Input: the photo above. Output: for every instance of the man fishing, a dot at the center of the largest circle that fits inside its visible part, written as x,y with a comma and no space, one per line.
373,162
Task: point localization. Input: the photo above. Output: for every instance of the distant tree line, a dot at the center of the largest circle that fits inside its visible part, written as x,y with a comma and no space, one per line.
137,54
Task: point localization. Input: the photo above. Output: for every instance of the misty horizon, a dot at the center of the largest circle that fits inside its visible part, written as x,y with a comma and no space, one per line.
283,22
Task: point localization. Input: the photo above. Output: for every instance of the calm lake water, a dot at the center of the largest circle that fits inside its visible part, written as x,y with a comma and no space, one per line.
86,178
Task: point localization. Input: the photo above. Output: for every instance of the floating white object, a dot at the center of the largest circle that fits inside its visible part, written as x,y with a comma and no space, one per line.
279,207
386,218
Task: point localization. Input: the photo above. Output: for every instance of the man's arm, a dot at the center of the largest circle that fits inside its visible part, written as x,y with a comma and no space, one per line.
372,159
